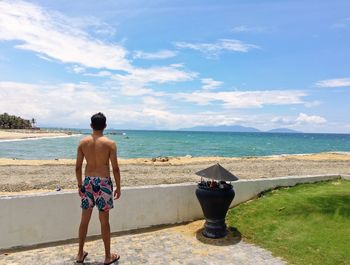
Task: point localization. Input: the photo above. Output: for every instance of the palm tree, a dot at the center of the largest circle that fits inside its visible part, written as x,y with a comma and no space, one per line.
14,122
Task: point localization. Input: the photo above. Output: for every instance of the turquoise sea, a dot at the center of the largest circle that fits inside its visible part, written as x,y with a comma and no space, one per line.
133,144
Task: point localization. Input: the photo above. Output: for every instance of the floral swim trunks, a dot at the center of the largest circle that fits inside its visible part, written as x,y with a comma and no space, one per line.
97,191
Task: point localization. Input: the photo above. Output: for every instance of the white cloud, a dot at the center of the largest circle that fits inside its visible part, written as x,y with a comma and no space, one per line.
243,28
163,54
162,74
337,82
93,24
312,104
214,49
170,120
72,104
99,74
283,120
177,65
68,104
78,69
53,36
310,119
300,121
44,57
244,99
209,83
135,82
128,90
153,101
100,28
52,103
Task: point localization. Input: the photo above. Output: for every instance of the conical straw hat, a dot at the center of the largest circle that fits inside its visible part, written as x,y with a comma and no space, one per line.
217,172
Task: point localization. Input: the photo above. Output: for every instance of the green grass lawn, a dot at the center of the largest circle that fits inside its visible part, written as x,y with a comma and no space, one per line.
305,224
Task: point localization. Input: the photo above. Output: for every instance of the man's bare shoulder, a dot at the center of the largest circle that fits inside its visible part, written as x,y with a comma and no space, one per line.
107,141
85,140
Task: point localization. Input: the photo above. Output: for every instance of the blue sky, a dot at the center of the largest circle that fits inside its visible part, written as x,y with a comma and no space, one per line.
177,64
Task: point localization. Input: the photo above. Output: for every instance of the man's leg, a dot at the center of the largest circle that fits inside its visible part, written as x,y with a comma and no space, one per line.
83,228
106,236
106,233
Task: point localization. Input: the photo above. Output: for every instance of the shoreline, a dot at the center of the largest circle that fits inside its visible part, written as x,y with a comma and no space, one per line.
179,160
12,135
33,176
37,138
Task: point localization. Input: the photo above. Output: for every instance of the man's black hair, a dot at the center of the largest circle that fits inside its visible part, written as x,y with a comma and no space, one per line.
98,121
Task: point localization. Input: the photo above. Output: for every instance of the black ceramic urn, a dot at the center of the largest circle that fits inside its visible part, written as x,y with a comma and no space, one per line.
215,203
215,198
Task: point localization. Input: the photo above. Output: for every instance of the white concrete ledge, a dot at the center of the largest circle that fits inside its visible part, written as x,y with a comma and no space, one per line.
49,217
346,177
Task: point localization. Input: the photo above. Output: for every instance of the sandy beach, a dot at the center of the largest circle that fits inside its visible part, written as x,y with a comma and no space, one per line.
26,134
18,176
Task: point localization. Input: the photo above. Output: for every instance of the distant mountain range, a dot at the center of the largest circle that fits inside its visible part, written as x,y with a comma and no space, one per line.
222,128
283,130
235,128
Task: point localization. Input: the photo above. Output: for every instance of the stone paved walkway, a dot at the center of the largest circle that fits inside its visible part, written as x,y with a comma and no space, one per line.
182,244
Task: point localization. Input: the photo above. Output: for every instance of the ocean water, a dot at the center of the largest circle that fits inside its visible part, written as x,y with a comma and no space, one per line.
134,144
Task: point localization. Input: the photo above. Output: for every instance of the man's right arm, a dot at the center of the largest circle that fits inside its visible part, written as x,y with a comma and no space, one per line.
78,165
116,171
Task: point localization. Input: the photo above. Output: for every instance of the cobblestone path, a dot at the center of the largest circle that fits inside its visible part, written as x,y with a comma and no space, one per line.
181,244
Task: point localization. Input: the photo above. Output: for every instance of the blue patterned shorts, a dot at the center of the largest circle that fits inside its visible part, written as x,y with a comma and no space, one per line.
97,191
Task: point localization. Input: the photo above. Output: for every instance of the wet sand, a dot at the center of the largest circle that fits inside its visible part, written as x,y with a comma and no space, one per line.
27,134
23,176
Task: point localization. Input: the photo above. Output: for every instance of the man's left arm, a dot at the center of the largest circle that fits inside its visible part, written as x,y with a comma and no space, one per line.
79,165
116,172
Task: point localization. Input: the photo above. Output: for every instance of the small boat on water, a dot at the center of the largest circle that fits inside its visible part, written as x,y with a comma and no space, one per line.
115,133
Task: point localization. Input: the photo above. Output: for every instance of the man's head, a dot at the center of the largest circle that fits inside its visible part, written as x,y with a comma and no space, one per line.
98,121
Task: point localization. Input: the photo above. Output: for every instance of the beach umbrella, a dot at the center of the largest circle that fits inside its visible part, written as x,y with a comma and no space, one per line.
217,172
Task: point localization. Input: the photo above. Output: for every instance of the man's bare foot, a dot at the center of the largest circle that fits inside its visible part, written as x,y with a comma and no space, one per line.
81,257
113,258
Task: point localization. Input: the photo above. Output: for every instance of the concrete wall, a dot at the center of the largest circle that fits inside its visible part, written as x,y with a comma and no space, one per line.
41,218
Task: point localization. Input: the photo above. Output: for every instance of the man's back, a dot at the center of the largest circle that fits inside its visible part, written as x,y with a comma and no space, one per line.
96,150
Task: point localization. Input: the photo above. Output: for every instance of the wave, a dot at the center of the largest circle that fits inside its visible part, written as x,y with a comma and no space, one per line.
304,154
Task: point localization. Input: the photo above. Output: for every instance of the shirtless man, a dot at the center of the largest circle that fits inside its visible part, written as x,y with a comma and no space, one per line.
97,187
